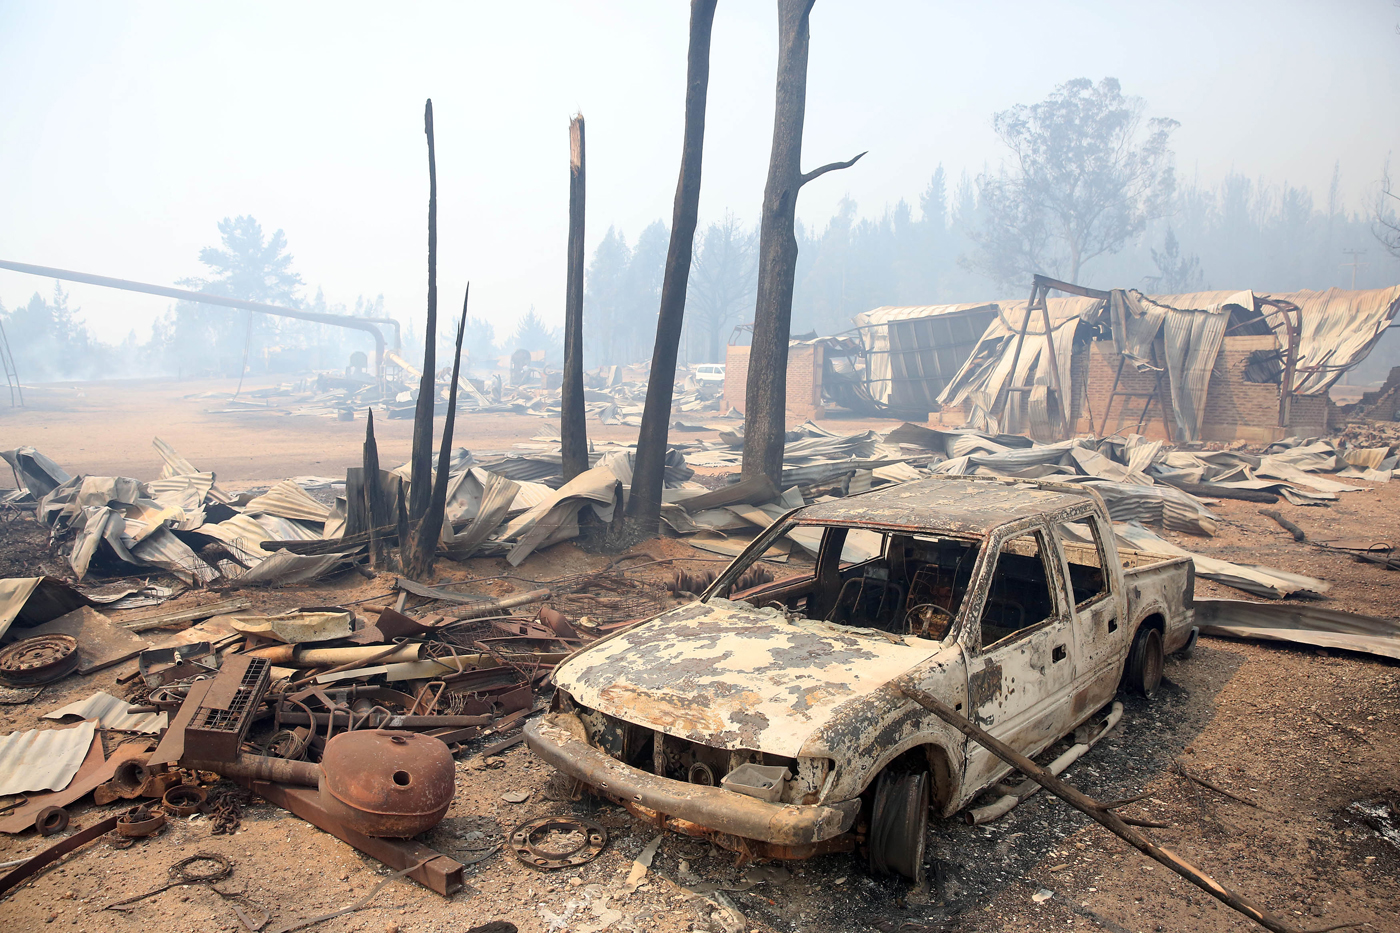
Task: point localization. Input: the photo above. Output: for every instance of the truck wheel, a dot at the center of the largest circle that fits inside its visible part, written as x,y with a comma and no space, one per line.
899,824
1146,660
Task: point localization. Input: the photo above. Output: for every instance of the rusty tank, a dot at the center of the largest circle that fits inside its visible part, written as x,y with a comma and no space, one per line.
383,783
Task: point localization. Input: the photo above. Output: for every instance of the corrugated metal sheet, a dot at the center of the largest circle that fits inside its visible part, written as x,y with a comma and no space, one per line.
111,713
288,500
987,371
887,363
163,549
43,759
1338,328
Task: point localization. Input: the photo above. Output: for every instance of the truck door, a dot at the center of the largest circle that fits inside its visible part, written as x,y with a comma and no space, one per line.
1020,653
1095,586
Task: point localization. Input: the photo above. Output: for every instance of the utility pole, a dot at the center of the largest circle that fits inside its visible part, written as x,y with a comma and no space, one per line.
1355,264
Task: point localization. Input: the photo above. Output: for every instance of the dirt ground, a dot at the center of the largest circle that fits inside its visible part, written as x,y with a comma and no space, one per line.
105,428
1300,732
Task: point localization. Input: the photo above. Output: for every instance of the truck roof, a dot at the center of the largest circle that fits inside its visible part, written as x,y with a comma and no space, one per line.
961,504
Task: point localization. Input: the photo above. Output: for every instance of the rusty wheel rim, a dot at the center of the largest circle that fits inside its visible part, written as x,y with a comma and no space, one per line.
39,660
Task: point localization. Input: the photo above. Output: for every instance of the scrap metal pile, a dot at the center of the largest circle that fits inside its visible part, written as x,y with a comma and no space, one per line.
349,720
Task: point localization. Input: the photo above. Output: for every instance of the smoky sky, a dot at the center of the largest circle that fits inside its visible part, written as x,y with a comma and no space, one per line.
130,129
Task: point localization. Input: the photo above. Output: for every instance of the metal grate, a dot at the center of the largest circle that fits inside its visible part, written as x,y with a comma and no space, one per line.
218,728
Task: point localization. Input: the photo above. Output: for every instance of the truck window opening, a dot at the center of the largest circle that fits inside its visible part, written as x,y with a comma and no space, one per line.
1019,596
913,585
1084,552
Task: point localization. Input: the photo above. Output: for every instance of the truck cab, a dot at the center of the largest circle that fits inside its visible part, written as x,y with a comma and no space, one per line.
1008,600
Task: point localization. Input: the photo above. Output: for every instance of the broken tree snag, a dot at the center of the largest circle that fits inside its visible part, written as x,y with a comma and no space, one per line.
1099,812
376,509
765,396
403,530
573,432
421,458
648,474
429,530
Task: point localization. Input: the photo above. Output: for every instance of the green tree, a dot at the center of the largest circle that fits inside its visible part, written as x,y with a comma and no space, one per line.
248,265
723,275
1083,180
605,300
643,288
49,341
479,343
532,334
1177,274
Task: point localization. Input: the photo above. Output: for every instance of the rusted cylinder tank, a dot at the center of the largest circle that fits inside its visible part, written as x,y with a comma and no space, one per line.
383,783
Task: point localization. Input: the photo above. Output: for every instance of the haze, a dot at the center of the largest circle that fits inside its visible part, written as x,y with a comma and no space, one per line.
131,129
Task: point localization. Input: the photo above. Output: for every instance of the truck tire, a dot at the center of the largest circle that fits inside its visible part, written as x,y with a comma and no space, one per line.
1146,659
899,824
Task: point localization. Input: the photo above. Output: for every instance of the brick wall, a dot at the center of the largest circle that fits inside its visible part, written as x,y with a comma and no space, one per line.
804,381
1095,364
1235,409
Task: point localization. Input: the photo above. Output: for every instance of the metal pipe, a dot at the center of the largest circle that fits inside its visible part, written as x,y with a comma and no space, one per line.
450,721
297,656
366,324
1015,795
259,768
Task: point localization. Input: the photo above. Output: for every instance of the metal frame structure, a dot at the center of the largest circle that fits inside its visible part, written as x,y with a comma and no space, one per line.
1041,286
11,373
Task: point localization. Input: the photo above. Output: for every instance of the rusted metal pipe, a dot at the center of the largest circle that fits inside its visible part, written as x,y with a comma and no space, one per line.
294,656
295,718
259,768
487,608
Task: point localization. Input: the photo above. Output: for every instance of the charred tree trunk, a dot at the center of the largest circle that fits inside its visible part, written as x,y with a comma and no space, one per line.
429,530
573,432
648,473
421,458
376,509
765,397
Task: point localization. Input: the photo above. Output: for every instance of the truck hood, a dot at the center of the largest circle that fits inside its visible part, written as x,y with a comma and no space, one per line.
731,676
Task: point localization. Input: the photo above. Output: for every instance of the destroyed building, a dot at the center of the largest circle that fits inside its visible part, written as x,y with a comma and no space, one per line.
1209,366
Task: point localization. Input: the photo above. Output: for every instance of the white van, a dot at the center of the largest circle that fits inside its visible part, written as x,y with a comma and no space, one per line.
710,372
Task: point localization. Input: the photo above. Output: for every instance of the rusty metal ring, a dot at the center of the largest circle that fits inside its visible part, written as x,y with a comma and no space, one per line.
39,660
522,843
131,827
51,820
184,799
180,872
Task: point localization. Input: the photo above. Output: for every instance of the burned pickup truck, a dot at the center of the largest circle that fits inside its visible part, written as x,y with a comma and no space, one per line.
771,720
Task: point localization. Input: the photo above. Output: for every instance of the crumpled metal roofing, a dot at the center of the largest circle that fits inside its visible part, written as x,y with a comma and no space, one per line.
288,500
43,759
1338,328
111,713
